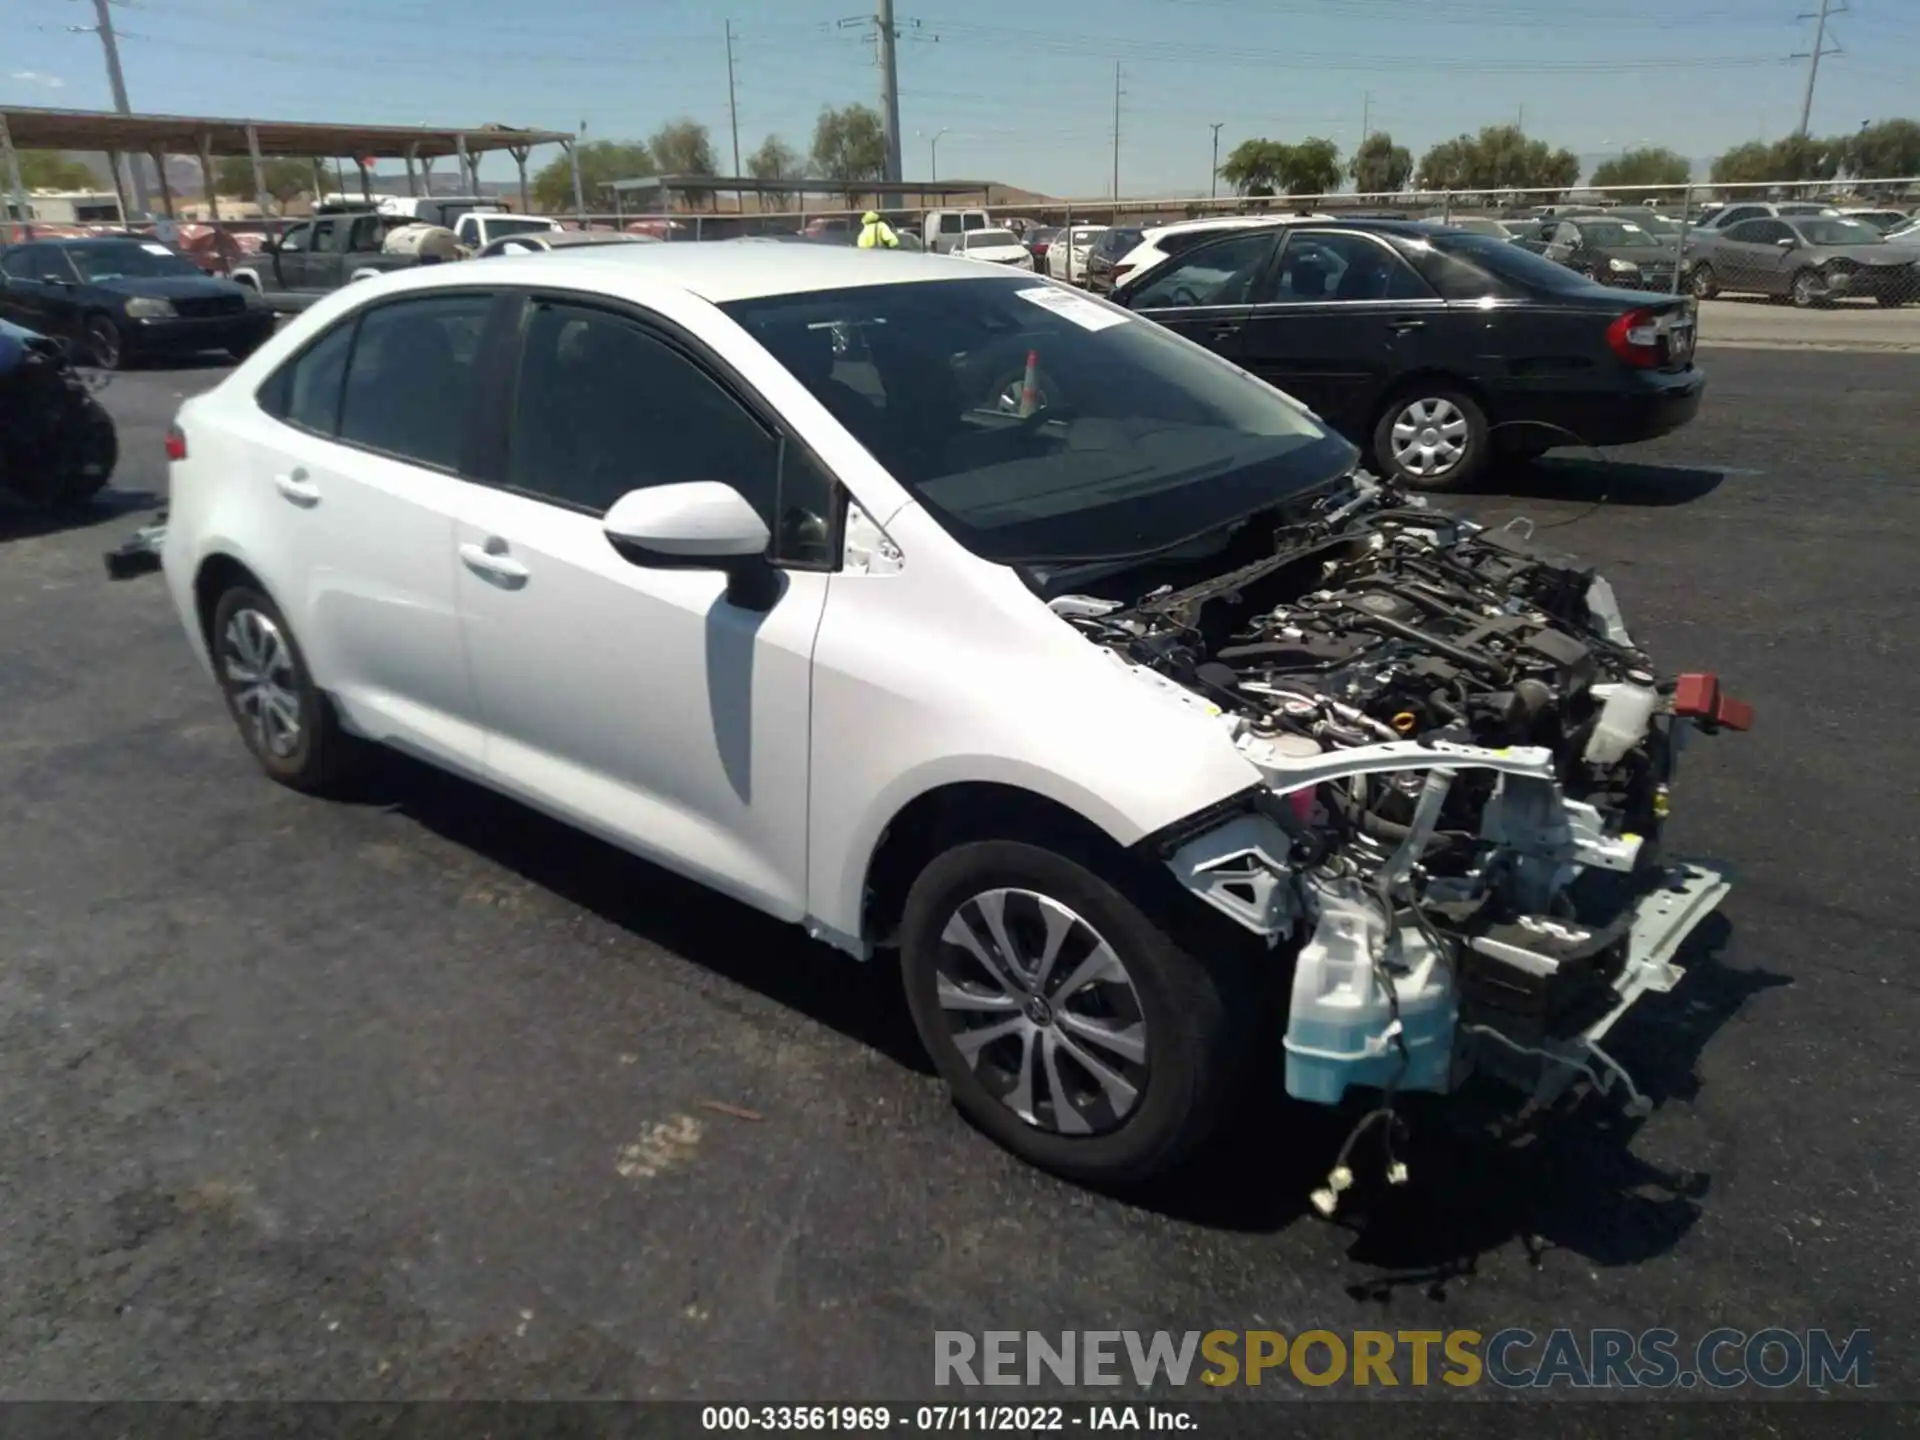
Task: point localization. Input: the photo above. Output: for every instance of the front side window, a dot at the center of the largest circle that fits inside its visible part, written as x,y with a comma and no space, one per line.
1133,441
297,239
1837,230
413,377
603,406
1223,273
1748,232
26,263
1350,267
974,222
326,236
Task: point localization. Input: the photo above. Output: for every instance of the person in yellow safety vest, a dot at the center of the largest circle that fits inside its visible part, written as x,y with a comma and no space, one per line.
876,234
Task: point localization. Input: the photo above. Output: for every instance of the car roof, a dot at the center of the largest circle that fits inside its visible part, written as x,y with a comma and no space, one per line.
720,271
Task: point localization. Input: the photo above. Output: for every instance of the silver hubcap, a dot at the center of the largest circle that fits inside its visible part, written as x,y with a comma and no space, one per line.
258,665
1429,437
1042,1010
1803,288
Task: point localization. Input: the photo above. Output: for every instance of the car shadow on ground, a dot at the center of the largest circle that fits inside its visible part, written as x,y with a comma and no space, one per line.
1569,1181
25,522
1578,478
864,1002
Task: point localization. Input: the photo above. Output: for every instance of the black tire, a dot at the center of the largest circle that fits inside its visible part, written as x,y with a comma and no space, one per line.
105,345
322,755
93,457
1701,280
1198,1006
1804,291
1435,396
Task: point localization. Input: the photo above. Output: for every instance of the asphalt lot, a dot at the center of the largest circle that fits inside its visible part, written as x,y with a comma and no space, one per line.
409,1097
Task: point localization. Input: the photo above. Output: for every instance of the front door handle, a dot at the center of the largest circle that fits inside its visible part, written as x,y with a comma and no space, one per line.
491,562
1407,327
1223,329
295,485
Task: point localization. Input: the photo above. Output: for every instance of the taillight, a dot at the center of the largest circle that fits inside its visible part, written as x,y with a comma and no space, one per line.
176,443
1635,338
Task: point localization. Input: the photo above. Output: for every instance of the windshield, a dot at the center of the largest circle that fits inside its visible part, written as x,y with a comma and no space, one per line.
1087,235
131,261
987,239
1838,231
1117,242
1507,261
1039,425
1618,235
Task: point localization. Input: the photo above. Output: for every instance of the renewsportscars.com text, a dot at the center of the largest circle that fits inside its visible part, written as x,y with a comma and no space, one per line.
1511,1359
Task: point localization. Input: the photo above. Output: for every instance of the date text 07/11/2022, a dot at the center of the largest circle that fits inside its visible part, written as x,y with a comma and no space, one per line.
943,1419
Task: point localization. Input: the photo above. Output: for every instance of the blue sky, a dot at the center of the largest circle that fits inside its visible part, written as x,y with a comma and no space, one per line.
1023,89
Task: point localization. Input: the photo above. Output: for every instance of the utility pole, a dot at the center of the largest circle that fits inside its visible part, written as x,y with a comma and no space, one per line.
1214,194
1366,116
885,36
733,105
1116,132
1827,10
103,27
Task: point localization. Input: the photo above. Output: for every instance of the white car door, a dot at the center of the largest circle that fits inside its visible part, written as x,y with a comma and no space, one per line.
640,703
359,452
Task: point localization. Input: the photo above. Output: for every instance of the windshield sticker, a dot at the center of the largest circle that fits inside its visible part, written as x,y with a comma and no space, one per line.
1629,225
157,250
1076,308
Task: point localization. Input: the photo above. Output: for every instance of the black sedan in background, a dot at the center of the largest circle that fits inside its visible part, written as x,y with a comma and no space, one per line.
1432,349
1619,252
1104,259
113,299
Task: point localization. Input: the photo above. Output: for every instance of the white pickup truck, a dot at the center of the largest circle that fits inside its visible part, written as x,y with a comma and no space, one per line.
478,228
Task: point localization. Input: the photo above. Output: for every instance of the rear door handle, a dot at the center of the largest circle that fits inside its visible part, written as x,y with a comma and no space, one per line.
295,485
1223,329
491,562
1407,327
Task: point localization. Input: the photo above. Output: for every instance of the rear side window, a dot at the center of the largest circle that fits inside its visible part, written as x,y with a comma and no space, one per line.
974,221
306,390
949,224
413,378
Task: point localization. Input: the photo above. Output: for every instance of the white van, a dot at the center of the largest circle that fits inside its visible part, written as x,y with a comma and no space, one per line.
945,227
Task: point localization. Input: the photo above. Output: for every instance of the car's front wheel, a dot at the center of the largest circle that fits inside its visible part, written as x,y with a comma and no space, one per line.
1703,282
1071,1027
1431,438
1806,291
284,718
105,346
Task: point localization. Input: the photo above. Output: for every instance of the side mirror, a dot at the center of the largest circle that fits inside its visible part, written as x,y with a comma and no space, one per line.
1787,242
698,525
51,279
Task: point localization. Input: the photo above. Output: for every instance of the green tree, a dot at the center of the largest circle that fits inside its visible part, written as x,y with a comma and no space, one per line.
1627,176
1807,157
1748,163
50,170
1255,167
1380,167
849,145
1888,150
1311,168
683,147
1500,157
285,179
775,160
601,162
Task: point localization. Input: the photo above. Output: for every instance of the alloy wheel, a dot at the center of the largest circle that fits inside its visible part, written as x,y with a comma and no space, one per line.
1042,1010
103,344
1430,437
257,664
1805,292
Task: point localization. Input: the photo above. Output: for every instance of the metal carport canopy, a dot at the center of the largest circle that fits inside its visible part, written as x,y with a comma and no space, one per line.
35,128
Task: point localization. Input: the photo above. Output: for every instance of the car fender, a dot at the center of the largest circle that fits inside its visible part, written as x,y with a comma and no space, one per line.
1009,695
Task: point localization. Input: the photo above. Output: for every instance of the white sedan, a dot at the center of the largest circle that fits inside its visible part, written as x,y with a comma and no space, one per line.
961,618
996,247
1067,255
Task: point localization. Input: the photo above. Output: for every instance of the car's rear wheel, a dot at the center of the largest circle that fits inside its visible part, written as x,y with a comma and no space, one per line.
105,345
285,720
1431,437
1703,282
1071,1027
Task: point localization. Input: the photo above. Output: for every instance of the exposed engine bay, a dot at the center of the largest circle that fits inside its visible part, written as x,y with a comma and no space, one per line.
1467,761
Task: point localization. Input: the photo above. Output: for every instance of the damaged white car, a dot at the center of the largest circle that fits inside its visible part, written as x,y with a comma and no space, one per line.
962,617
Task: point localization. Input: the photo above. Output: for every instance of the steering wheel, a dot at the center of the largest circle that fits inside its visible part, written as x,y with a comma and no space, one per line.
1184,295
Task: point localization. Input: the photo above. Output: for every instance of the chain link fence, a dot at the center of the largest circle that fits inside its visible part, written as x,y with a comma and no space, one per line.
1809,244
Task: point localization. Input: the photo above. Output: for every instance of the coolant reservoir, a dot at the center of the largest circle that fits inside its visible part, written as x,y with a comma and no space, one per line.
1271,750
1625,711
1338,1029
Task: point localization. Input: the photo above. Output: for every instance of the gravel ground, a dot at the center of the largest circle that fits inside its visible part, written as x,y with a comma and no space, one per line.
411,1097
